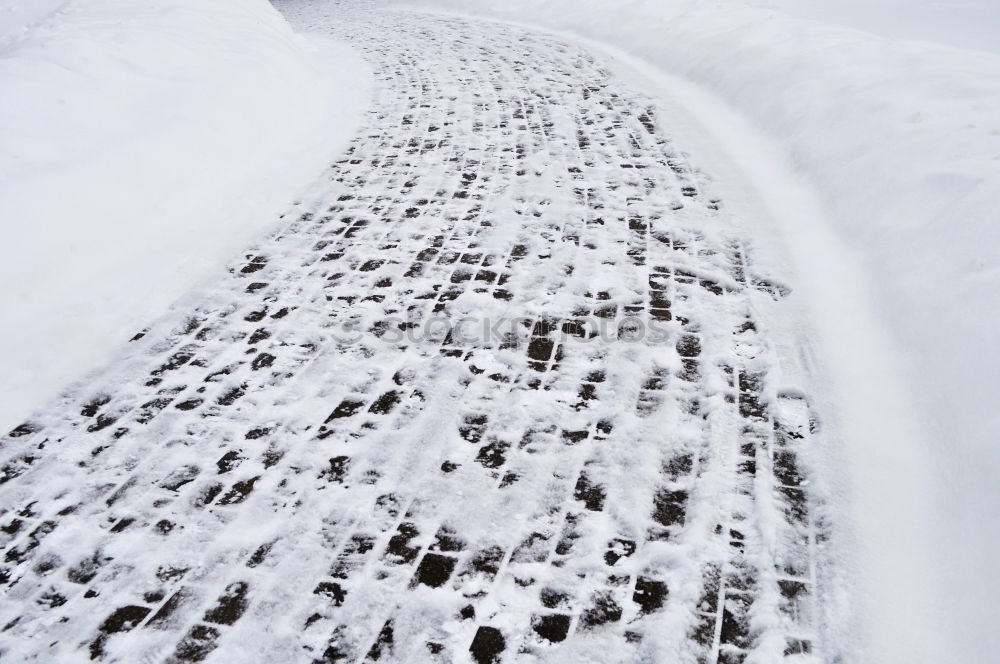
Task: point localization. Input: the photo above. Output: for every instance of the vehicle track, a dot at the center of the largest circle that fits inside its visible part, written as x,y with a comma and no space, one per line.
321,458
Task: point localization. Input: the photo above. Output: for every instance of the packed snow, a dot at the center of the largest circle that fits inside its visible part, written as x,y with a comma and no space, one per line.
143,143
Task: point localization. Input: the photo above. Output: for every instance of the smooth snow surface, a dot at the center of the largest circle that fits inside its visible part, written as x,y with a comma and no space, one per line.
971,24
901,140
143,142
18,16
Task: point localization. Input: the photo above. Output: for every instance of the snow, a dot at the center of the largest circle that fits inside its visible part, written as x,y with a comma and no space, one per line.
16,18
954,22
900,141
145,143
419,490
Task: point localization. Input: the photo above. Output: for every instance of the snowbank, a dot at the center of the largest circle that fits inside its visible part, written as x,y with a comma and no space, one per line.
901,142
144,143
954,22
18,16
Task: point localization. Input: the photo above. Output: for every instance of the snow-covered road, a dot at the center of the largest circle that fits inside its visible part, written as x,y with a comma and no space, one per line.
500,389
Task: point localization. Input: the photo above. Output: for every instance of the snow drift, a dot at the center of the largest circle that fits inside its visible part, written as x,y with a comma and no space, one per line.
143,144
901,142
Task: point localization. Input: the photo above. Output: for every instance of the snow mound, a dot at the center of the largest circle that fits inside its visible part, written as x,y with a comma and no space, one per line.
145,143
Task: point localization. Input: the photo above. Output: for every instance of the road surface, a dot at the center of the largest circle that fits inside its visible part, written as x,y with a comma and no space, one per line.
497,390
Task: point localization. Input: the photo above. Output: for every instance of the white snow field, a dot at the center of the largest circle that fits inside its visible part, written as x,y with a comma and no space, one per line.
639,331
967,24
143,142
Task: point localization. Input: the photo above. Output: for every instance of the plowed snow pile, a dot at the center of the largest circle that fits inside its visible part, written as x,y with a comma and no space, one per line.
143,142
